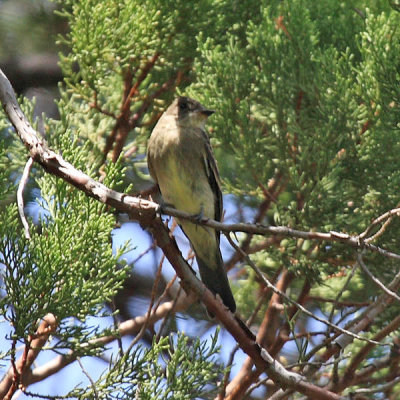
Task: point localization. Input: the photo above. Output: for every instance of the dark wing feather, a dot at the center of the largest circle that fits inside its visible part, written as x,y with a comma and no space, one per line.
213,178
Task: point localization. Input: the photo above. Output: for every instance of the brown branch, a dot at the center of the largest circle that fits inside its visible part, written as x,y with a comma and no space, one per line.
126,328
101,110
349,374
339,303
121,119
269,326
135,88
174,307
271,193
16,374
123,126
384,218
284,332
173,81
266,334
121,129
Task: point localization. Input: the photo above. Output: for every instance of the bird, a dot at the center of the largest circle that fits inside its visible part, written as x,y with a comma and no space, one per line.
181,162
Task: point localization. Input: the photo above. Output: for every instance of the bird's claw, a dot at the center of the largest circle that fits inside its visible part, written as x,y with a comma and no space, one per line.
198,217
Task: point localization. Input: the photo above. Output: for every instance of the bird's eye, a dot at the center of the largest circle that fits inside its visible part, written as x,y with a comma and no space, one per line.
183,106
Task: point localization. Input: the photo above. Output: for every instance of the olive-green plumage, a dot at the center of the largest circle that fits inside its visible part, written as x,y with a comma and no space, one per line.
181,162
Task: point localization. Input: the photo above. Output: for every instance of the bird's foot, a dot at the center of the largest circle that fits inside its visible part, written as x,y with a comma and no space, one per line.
198,217
163,205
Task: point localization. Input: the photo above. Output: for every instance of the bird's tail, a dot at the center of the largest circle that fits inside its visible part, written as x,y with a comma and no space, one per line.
214,277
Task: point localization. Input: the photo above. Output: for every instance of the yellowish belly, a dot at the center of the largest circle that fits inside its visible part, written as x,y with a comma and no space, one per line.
187,190
190,193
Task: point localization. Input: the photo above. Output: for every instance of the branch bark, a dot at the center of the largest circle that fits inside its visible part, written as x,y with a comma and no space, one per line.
16,373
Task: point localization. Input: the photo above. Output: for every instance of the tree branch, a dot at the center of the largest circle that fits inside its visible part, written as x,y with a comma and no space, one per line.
20,197
16,373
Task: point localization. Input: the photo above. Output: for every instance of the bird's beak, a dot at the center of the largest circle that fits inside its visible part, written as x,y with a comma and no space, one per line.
207,112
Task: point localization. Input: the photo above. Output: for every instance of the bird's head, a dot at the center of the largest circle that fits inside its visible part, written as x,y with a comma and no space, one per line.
189,112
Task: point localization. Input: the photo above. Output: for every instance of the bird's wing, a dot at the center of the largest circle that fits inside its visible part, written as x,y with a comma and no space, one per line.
150,166
213,178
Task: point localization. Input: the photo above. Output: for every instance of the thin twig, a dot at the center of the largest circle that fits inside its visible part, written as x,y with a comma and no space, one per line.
224,383
344,287
380,388
299,306
92,383
168,314
97,107
283,231
387,215
144,252
380,232
374,279
164,294
281,394
20,196
256,385
319,363
150,309
19,369
119,339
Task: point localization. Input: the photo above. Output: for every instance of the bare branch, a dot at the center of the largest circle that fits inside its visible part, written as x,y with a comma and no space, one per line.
386,216
282,231
380,388
375,279
299,306
92,383
20,197
130,327
22,365
359,357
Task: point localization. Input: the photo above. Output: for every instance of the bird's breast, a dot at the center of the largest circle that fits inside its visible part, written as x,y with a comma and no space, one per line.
182,178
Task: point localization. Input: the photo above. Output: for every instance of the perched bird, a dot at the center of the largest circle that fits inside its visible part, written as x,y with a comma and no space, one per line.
181,162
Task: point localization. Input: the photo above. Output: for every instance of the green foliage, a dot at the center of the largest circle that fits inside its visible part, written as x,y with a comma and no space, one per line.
310,97
172,368
7,186
60,269
69,256
145,48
